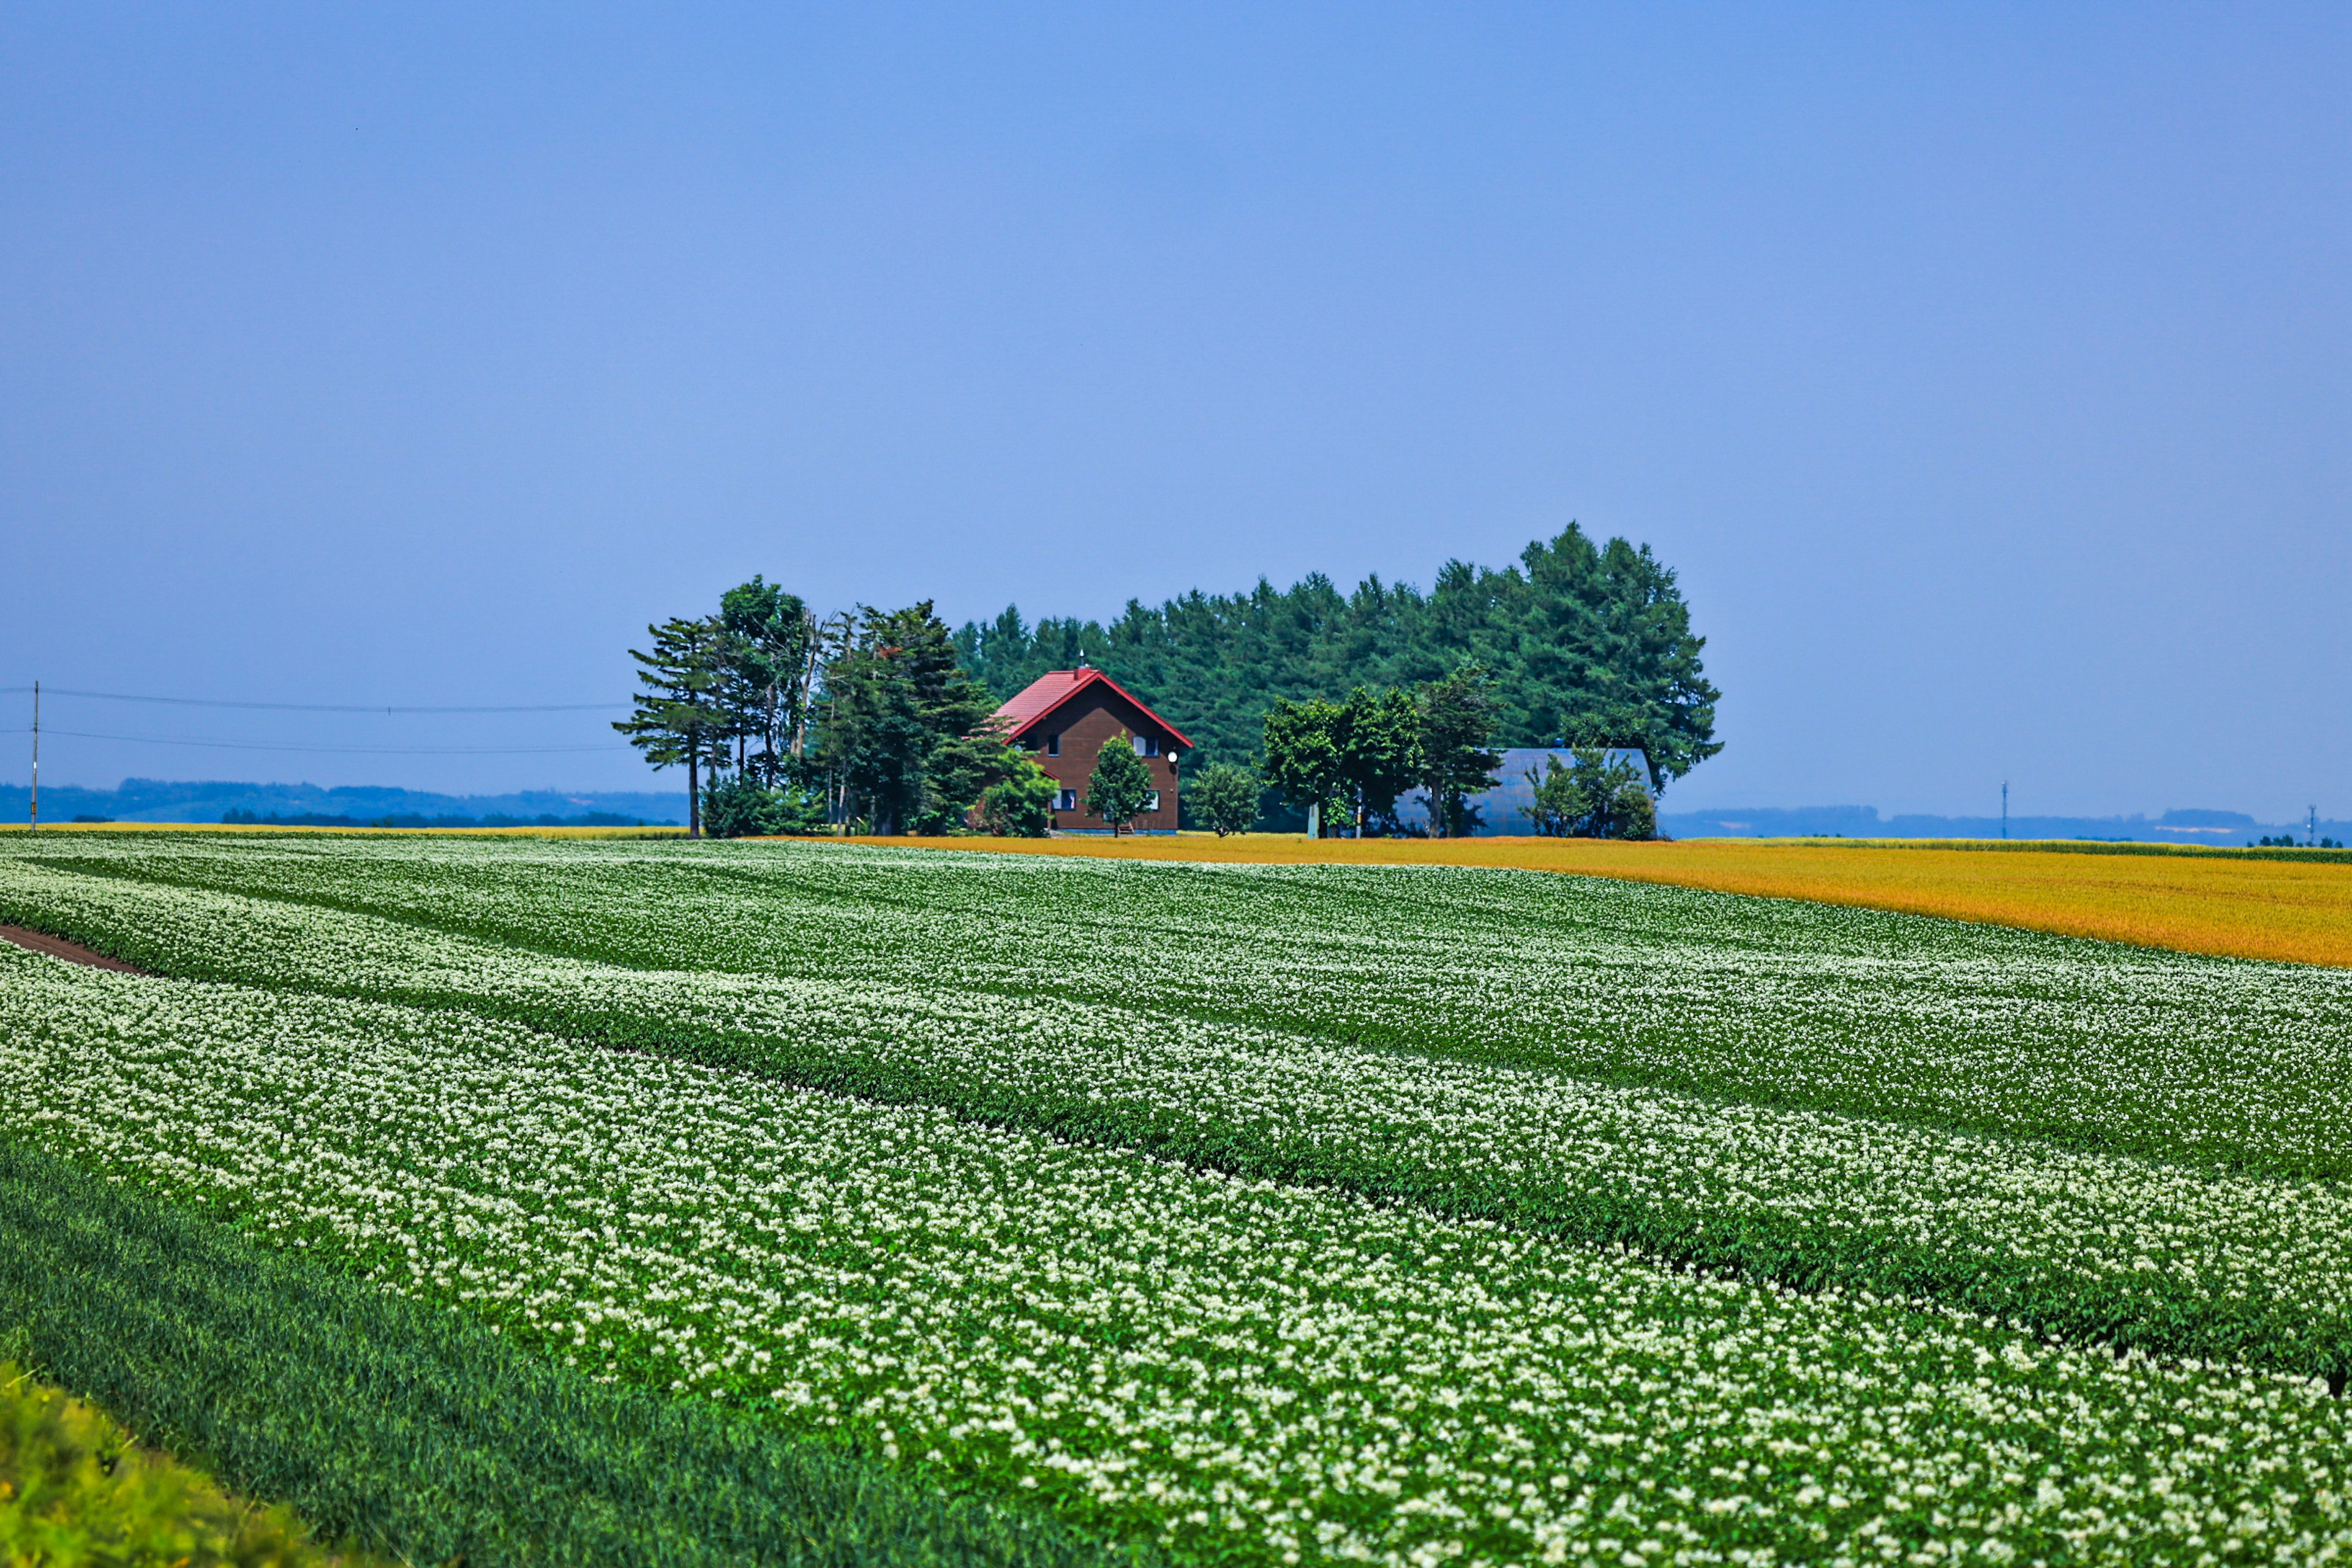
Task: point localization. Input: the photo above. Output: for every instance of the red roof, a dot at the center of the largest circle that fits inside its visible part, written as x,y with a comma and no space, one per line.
1049,691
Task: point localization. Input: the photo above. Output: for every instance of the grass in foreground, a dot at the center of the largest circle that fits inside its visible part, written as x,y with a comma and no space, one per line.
2295,911
75,1488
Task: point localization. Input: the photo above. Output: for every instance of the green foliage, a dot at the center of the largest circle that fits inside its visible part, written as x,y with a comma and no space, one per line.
1458,715
736,806
768,661
1593,798
1951,1120
75,1489
1588,643
678,718
2042,1037
1350,759
1120,783
1303,758
2015,1041
958,774
419,1433
905,729
1021,804
1380,743
903,743
1224,799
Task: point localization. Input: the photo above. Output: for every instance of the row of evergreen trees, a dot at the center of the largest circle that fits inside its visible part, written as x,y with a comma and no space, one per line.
1583,645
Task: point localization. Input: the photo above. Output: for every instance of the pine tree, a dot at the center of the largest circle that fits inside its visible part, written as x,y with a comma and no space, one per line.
679,717
765,668
906,729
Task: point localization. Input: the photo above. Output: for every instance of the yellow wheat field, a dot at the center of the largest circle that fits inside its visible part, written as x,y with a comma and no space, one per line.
2298,911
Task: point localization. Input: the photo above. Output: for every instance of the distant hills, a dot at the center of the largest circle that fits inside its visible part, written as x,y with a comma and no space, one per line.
158,800
2224,828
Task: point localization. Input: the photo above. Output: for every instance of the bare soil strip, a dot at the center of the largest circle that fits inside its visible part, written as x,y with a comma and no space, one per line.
71,952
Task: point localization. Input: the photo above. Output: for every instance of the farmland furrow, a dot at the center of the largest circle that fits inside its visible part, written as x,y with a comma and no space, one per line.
1807,1007
2095,1248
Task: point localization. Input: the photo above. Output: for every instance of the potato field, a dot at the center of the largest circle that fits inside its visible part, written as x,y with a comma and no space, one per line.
536,1201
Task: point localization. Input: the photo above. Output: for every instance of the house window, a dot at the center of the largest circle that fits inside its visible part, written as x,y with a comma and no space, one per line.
1053,744
1150,800
1066,800
1147,745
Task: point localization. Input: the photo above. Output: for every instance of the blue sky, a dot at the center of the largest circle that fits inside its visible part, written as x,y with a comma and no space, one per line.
1986,372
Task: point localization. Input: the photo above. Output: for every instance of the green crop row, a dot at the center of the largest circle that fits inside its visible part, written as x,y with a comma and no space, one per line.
2221,1063
420,1433
2095,1248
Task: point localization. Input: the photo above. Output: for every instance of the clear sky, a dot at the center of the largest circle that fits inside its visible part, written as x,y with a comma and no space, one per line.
1985,372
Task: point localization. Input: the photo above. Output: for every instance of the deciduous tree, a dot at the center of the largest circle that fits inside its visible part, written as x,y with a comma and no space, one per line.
1120,784
1303,757
1380,751
1224,799
1457,729
1593,798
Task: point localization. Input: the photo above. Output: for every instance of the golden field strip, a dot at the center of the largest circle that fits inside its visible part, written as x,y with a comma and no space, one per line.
2300,911
652,830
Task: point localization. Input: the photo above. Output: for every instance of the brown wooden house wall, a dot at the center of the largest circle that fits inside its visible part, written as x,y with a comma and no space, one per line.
1093,716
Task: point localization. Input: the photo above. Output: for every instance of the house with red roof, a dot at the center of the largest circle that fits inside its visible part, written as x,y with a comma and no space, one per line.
1065,718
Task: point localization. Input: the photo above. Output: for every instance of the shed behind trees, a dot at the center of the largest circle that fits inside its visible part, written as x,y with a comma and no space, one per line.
1507,805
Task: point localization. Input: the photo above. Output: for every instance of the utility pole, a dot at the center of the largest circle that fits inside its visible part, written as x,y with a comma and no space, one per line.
35,813
2310,820
2004,808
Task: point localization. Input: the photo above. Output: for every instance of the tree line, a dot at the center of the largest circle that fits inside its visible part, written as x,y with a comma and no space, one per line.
1304,703
1583,645
786,722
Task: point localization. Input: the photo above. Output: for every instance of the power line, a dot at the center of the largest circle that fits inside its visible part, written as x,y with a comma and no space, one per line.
371,751
323,707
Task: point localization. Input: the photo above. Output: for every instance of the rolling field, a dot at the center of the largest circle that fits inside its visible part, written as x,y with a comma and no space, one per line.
1031,1209
2293,906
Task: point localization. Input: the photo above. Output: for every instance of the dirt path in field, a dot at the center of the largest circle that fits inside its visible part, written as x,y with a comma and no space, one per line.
71,952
